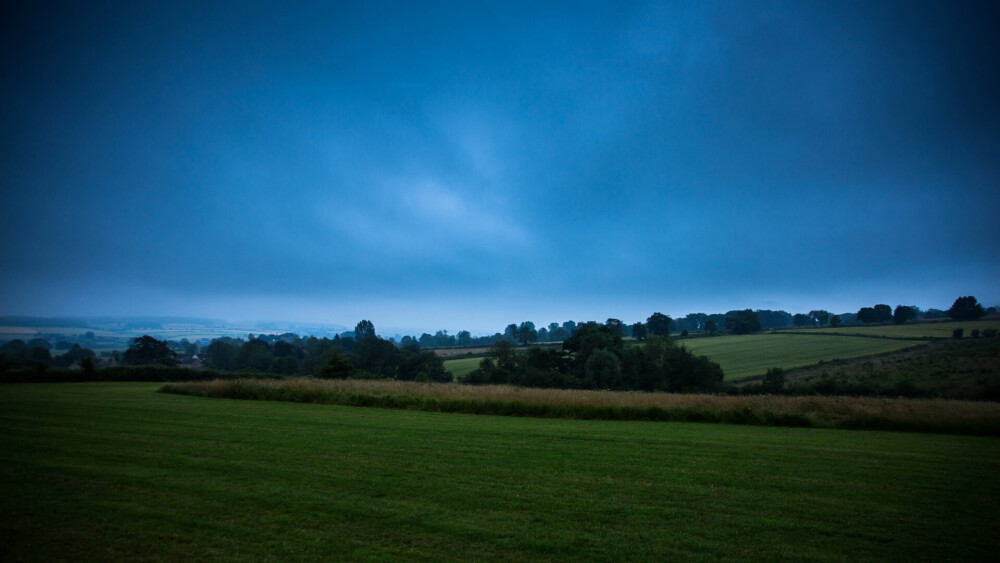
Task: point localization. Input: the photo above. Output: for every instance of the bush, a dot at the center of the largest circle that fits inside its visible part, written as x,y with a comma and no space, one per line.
774,380
957,333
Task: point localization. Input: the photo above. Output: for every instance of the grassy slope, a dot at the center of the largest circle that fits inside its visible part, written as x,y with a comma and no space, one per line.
916,330
117,471
752,354
461,366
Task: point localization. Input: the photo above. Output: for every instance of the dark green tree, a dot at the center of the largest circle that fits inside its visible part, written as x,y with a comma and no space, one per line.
867,315
364,329
800,319
222,354
963,309
603,370
883,313
526,333
774,381
639,331
835,321
658,324
336,367
743,322
147,350
903,314
510,333
710,327
255,355
820,316
616,326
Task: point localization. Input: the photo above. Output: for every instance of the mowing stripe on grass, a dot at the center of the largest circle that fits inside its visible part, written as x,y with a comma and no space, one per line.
118,471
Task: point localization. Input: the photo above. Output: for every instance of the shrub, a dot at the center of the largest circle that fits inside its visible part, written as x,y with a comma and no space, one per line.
774,380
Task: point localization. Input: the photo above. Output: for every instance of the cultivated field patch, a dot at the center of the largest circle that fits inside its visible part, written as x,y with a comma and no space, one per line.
753,354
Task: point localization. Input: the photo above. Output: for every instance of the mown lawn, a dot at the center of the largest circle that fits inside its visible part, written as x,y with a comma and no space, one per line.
752,354
118,471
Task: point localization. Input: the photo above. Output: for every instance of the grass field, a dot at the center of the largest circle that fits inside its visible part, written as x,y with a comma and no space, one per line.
118,471
752,354
461,366
916,330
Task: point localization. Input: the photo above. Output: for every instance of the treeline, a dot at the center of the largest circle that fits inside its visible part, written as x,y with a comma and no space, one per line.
36,354
363,356
596,357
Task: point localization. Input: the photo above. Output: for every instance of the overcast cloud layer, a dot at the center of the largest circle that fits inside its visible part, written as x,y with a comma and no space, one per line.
467,165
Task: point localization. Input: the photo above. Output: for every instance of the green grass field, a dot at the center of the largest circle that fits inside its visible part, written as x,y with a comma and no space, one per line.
118,471
916,330
461,366
752,354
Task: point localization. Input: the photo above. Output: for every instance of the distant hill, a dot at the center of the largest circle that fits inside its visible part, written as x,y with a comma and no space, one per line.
15,320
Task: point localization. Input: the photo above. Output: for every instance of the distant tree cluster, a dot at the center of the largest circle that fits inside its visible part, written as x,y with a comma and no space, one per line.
36,354
367,356
596,357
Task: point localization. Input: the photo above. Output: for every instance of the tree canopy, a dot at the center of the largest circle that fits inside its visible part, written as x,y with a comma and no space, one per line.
743,322
148,350
966,309
659,324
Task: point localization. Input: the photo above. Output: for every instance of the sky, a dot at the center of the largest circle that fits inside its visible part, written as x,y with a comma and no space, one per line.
466,165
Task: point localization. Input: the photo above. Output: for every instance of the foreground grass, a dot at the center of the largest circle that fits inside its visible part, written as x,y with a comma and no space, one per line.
753,354
118,471
922,415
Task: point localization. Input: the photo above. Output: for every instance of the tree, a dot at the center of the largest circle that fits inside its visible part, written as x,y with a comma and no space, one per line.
603,370
255,355
526,333
867,315
148,350
835,321
364,329
800,319
774,380
464,338
711,327
743,322
616,326
505,356
883,313
222,354
639,331
510,333
903,314
820,316
336,367
658,324
965,309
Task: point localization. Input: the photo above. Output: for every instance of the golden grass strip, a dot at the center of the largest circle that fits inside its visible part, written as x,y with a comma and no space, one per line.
922,415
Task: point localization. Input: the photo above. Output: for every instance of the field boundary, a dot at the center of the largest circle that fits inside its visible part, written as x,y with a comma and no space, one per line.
867,413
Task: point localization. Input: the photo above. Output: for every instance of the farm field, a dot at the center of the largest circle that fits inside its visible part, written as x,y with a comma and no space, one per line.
753,354
461,366
119,471
915,330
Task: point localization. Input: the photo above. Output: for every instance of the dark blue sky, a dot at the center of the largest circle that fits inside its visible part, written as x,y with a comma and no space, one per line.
467,165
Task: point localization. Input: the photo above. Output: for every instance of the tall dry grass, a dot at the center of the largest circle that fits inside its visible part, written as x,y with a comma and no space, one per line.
923,415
